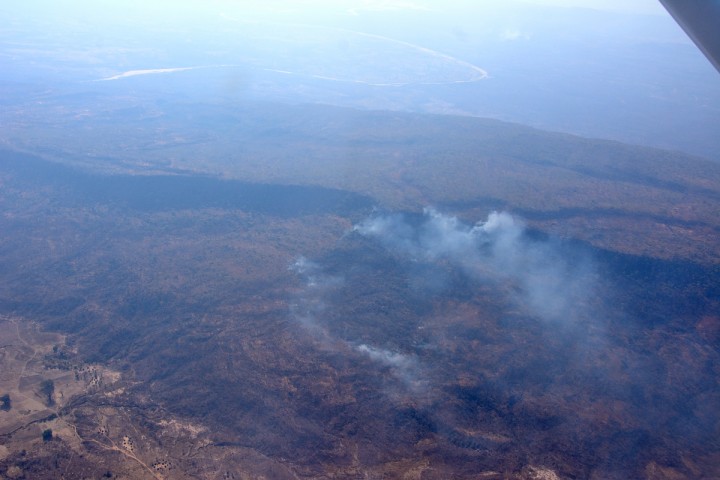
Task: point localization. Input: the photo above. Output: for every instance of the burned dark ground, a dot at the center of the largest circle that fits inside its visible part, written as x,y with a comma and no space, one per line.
383,325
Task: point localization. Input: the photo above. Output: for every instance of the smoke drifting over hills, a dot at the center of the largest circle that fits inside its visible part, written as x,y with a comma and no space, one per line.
537,277
310,303
546,283
488,334
309,308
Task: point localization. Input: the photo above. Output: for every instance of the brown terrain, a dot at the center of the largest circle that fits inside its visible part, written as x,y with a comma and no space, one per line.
199,311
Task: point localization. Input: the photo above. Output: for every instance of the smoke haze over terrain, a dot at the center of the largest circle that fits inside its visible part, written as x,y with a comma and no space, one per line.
541,277
547,284
357,239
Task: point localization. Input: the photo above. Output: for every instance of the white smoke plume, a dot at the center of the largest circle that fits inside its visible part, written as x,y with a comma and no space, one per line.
310,303
548,284
386,357
405,367
309,306
544,280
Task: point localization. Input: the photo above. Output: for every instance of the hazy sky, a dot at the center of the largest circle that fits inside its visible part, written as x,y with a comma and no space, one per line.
637,6
308,11
358,6
329,6
630,6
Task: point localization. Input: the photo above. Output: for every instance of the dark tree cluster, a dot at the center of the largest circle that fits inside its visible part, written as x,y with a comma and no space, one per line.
5,403
47,389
